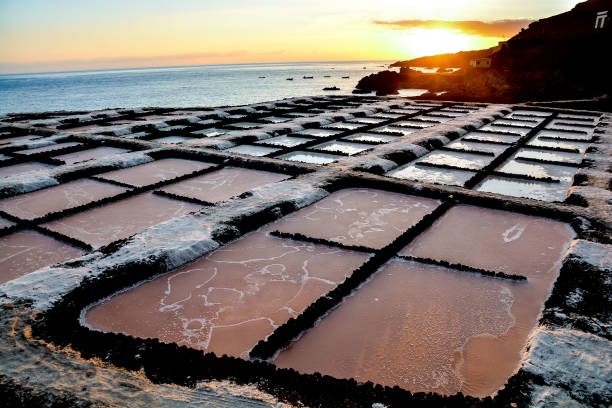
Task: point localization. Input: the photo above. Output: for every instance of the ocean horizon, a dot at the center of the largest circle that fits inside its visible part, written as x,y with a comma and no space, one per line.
179,86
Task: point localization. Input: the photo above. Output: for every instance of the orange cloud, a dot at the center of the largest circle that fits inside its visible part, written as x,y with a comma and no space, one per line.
498,28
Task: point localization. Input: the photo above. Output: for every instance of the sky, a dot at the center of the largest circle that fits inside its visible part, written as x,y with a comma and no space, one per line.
59,35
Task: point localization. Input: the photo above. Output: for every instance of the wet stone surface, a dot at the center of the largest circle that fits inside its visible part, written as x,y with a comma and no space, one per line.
155,172
365,217
58,198
228,301
222,184
26,251
121,219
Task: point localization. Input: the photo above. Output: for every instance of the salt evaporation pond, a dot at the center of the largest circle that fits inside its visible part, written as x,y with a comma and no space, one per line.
285,141
58,198
230,300
121,219
318,132
434,329
155,172
22,168
310,157
89,154
345,126
537,190
558,144
251,150
559,157
402,131
370,137
26,251
490,137
467,161
565,135
452,177
50,148
344,147
371,218
466,145
222,184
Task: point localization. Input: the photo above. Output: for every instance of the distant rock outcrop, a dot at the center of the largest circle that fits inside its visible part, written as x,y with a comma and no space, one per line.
561,57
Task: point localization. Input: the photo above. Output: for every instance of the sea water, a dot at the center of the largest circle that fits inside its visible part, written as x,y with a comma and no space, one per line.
202,85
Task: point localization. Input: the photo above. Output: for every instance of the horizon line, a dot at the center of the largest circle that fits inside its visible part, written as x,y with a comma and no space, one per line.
59,71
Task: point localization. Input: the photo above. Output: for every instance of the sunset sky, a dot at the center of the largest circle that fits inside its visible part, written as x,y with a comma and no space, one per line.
45,35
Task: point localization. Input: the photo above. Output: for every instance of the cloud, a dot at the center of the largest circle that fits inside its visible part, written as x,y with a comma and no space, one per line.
498,28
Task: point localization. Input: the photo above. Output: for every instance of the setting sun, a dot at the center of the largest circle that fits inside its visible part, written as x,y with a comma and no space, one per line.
421,41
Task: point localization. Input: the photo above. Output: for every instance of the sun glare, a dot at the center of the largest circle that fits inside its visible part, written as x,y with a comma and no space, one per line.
422,41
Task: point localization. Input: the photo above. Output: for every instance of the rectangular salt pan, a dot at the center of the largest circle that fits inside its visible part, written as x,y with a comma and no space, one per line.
370,137
509,129
556,134
395,130
452,177
210,132
58,198
26,251
368,120
155,172
89,154
466,145
285,141
561,144
467,161
413,124
310,157
50,148
490,137
222,184
173,139
344,147
251,150
536,190
426,329
228,301
558,157
372,218
495,240
537,170
22,168
344,126
318,132
246,125
121,219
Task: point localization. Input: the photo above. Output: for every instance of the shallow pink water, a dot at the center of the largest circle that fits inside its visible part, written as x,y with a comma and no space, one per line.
228,301
426,329
57,198
22,168
494,240
102,225
371,218
154,172
223,184
89,154
26,251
